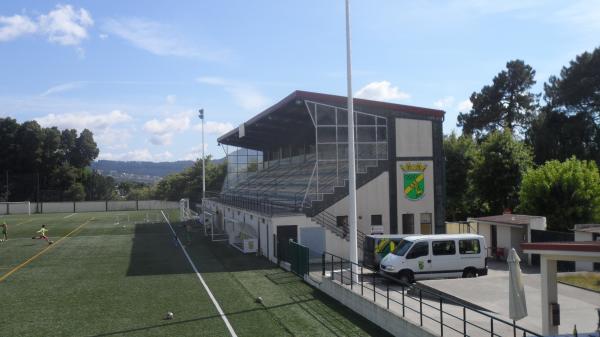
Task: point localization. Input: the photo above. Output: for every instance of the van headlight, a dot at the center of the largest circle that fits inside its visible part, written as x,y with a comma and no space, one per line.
388,268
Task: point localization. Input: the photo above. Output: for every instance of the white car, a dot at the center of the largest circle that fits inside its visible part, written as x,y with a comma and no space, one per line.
437,256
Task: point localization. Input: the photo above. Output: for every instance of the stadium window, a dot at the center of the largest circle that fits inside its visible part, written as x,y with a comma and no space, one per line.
408,223
446,247
469,246
376,220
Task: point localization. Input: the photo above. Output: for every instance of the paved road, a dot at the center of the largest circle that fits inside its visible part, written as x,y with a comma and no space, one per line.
491,292
577,306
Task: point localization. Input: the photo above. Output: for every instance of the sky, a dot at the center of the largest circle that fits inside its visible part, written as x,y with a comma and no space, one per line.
136,72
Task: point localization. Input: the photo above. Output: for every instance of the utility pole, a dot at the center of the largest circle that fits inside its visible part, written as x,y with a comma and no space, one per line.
201,115
351,155
7,186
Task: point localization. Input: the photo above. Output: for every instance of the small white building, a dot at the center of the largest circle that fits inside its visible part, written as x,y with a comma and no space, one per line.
506,231
587,232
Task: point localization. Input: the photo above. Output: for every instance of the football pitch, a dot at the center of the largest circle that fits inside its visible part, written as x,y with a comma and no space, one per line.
119,273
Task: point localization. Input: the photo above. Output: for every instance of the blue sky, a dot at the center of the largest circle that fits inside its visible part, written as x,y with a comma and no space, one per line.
136,72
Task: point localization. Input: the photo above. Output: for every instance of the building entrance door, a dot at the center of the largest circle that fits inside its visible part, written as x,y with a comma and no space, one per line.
284,234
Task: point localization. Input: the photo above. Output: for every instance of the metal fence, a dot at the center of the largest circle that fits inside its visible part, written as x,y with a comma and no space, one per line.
447,314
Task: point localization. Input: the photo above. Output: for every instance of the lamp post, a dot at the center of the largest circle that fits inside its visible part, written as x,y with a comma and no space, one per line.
351,160
201,115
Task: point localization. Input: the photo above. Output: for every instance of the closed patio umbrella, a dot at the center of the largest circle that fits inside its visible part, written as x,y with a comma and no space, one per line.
516,301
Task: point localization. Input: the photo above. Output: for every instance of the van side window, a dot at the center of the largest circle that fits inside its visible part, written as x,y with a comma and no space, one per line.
418,250
469,246
446,247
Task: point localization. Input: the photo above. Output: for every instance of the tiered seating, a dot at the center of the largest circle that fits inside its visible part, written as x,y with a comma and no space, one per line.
286,183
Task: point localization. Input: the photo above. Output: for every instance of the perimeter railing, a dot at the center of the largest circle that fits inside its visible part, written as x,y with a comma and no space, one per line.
418,301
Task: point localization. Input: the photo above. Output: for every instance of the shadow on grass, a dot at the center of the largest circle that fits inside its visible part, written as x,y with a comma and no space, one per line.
154,252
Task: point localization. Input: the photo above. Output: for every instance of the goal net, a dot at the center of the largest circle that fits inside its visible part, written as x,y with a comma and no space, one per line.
15,207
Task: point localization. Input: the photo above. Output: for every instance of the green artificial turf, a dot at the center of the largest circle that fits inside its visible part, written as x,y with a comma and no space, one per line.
120,279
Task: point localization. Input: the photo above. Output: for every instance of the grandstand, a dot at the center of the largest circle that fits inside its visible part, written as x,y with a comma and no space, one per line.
287,173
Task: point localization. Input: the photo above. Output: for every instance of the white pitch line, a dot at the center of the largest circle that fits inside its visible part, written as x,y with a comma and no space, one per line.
68,216
210,294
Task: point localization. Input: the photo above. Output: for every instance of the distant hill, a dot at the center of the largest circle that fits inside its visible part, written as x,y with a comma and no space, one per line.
142,171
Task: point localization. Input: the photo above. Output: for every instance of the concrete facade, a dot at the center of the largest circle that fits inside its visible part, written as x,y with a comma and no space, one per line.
375,313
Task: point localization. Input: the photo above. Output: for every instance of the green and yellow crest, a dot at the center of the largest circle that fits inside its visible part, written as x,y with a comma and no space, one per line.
414,181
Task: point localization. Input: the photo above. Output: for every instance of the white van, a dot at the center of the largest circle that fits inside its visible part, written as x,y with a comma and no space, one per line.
437,256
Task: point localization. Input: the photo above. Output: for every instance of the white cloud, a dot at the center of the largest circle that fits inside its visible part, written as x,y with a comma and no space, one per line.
62,88
137,155
103,36
381,91
65,25
171,99
465,106
196,152
159,39
176,123
214,128
12,27
245,95
84,120
164,139
162,130
444,103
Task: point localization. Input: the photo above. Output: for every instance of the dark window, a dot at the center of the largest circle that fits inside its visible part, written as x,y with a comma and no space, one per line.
418,250
469,246
341,221
376,220
408,223
447,247
402,248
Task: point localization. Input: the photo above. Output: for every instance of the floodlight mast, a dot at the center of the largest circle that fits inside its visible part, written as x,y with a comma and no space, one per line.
201,115
351,155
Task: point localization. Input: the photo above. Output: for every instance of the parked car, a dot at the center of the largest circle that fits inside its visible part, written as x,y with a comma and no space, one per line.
437,256
376,247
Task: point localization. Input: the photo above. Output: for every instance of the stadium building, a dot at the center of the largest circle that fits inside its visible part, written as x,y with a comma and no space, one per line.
287,175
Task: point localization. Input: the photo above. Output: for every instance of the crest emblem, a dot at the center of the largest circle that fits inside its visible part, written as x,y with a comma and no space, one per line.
414,181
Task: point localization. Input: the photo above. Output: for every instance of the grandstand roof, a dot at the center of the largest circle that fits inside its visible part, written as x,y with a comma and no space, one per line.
266,128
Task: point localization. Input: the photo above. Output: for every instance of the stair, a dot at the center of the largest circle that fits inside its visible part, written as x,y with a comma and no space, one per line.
316,206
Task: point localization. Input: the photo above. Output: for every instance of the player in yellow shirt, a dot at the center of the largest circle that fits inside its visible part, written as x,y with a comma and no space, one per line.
43,235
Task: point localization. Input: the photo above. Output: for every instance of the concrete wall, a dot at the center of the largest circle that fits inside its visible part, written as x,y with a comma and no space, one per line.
58,207
416,207
89,206
7,208
414,138
378,315
486,231
371,199
583,265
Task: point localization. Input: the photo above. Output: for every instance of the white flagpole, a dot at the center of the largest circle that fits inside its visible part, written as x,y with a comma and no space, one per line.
351,160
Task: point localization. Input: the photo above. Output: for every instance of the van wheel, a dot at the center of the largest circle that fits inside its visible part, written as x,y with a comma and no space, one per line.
406,277
469,273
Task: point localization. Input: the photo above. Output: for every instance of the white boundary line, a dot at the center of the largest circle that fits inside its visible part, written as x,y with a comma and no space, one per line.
68,216
210,294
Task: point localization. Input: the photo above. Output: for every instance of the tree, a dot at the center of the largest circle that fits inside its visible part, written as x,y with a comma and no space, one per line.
566,193
498,170
569,124
507,104
460,154
86,149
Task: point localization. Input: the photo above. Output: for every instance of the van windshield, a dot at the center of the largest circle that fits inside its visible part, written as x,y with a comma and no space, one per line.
402,248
